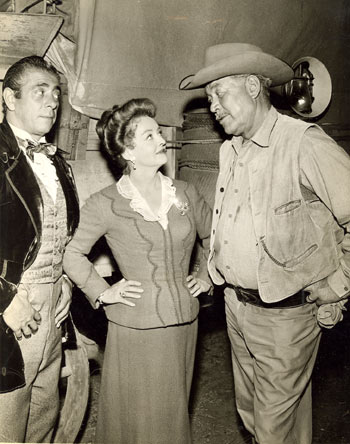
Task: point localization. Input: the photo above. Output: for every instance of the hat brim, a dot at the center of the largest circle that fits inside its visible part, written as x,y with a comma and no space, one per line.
245,63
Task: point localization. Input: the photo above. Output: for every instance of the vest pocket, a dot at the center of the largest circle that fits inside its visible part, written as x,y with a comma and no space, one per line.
289,206
292,262
291,236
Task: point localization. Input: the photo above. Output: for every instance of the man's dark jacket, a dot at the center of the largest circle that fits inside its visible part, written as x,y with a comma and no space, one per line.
21,215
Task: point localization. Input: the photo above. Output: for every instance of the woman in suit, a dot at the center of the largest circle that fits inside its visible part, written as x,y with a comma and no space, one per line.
150,223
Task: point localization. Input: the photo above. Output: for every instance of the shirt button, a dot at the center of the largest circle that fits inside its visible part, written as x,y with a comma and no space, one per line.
236,191
346,288
240,164
225,242
213,231
228,267
230,215
217,211
222,189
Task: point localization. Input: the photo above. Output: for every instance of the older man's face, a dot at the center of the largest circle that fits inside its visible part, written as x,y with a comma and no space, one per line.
232,105
36,110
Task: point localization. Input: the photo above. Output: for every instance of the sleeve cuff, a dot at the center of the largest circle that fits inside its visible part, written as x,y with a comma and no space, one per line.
339,283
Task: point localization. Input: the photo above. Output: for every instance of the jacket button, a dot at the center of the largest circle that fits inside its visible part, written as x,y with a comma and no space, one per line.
222,189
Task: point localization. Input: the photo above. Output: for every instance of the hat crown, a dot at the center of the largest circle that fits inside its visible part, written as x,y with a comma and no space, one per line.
228,59
215,53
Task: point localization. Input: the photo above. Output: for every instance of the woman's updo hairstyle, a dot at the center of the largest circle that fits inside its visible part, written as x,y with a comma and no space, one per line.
116,128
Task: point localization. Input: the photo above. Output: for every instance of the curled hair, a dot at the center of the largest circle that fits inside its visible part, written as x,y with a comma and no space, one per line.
14,77
116,128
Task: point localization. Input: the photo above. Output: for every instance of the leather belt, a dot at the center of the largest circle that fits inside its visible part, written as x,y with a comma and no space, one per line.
250,296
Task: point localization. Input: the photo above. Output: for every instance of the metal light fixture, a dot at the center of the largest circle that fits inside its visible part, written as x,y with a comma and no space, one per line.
299,89
310,91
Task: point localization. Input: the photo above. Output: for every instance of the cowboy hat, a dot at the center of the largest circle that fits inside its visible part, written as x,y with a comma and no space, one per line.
229,59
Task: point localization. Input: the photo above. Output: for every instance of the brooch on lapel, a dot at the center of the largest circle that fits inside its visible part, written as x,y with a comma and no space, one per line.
183,207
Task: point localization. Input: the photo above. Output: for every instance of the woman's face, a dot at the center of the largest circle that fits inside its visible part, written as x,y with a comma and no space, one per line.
149,145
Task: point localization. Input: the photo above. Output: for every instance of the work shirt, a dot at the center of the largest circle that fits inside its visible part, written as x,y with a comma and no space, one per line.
235,241
323,170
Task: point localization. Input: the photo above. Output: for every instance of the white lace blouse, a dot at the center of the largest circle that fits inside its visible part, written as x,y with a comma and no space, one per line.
140,205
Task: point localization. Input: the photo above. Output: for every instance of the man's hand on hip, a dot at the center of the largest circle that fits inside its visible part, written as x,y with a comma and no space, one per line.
321,293
21,317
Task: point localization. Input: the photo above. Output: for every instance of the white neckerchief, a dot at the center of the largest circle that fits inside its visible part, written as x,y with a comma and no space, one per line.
41,165
139,204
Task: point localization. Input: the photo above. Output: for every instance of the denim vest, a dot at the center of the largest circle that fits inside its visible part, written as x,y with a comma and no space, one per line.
295,231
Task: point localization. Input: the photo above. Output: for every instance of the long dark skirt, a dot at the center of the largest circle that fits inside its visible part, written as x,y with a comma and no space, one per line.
145,387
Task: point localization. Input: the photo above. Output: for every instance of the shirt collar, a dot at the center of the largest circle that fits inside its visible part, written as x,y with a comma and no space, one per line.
24,135
262,136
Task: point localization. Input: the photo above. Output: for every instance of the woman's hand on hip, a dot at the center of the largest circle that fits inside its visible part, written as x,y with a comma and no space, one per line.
197,286
120,292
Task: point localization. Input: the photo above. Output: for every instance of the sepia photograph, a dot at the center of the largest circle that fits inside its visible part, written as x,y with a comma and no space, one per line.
175,221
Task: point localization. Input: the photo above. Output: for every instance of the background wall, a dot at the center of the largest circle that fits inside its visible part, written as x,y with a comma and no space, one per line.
143,48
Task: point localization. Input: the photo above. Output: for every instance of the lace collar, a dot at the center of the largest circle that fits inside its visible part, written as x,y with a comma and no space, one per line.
139,204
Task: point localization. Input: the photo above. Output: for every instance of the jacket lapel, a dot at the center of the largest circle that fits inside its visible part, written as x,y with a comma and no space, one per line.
21,178
65,176
24,184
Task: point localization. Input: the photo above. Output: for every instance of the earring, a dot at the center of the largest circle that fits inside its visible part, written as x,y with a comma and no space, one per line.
133,164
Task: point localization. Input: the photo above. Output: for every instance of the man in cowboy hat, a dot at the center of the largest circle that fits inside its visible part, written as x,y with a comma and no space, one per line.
280,239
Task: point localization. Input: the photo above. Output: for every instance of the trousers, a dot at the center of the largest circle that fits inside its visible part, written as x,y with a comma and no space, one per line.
273,354
29,414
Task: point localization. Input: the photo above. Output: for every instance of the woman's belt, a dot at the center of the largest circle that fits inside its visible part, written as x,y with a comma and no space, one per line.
250,296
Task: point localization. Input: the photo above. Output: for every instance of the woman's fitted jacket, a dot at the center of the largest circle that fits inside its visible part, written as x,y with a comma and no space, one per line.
144,252
21,213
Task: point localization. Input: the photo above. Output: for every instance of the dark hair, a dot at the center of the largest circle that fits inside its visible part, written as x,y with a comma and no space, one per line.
14,76
116,128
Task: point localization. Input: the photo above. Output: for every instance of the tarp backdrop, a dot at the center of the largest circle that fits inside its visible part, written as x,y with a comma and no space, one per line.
143,48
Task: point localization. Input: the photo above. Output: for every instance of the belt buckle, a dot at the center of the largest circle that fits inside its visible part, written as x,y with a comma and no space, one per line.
241,296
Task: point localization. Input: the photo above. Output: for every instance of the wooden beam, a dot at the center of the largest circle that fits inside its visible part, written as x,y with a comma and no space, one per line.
22,35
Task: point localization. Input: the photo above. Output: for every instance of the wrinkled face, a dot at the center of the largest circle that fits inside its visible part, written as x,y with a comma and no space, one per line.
149,145
36,110
232,105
